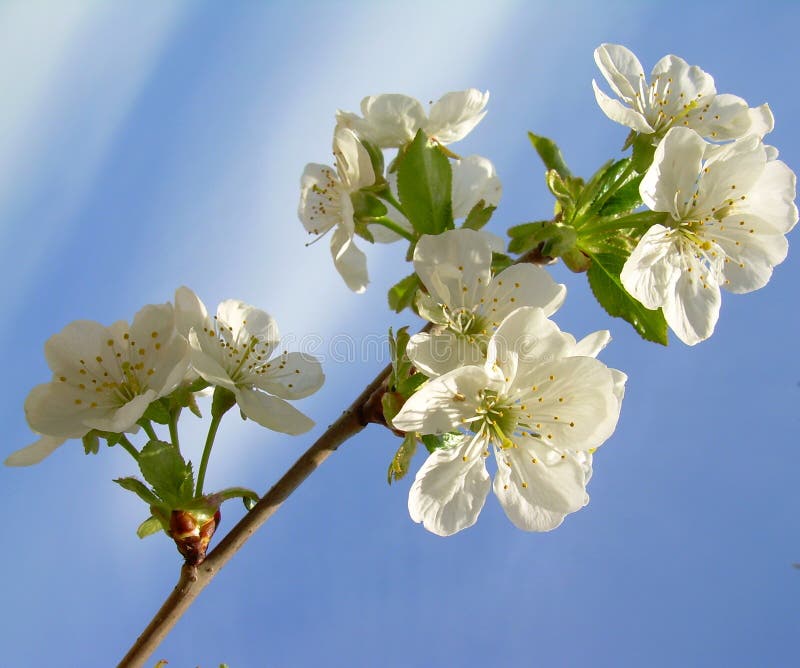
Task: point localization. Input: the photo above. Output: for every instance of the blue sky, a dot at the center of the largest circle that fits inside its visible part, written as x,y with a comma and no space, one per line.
143,147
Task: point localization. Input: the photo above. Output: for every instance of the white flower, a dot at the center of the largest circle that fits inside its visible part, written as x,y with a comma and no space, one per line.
727,215
104,378
474,179
325,204
677,95
465,302
233,350
542,409
392,120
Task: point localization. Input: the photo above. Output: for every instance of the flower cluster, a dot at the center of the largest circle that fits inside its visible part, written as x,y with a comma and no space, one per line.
356,197
105,379
727,208
502,377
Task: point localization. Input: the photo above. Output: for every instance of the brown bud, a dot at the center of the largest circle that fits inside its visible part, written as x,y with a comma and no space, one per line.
190,536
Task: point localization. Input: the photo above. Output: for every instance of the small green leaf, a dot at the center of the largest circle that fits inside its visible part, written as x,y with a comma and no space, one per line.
604,280
643,152
479,215
424,183
527,236
366,205
150,526
158,412
401,294
169,475
437,441
411,384
140,489
391,403
625,199
91,443
550,154
500,261
402,459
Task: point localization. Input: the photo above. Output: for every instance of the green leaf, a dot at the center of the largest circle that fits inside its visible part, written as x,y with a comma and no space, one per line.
604,280
527,236
150,526
550,154
140,489
625,199
643,152
424,183
402,459
479,215
411,384
166,471
158,412
436,441
366,205
500,261
391,403
401,294
91,443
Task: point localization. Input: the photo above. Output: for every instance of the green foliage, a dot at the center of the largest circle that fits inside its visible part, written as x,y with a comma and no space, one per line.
402,459
158,412
604,280
437,441
169,475
625,199
91,443
424,184
140,489
401,294
479,215
550,154
150,526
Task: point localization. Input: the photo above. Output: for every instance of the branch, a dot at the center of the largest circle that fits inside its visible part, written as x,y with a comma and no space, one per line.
194,579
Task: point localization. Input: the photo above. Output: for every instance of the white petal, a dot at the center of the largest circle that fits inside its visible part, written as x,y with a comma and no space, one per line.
57,409
123,418
619,113
320,207
352,160
731,173
189,311
272,413
771,197
650,272
722,118
752,247
762,121
523,285
572,403
691,309
206,357
350,262
669,183
441,404
591,344
390,120
676,75
621,68
454,115
536,496
291,376
454,266
437,354
35,452
450,489
474,179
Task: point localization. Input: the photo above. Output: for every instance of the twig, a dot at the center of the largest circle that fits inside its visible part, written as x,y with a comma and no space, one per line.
194,579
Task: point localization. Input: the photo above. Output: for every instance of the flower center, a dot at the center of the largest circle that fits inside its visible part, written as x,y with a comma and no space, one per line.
500,418
467,323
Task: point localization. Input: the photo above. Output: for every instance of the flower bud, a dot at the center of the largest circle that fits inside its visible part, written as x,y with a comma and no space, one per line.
192,532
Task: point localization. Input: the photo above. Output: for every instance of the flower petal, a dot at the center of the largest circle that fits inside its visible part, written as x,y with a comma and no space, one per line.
450,489
536,496
350,262
454,266
57,409
474,179
189,311
691,308
621,68
441,404
319,207
753,248
772,196
650,272
123,418
35,452
352,160
621,114
523,285
454,115
290,376
390,120
669,183
436,354
272,413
